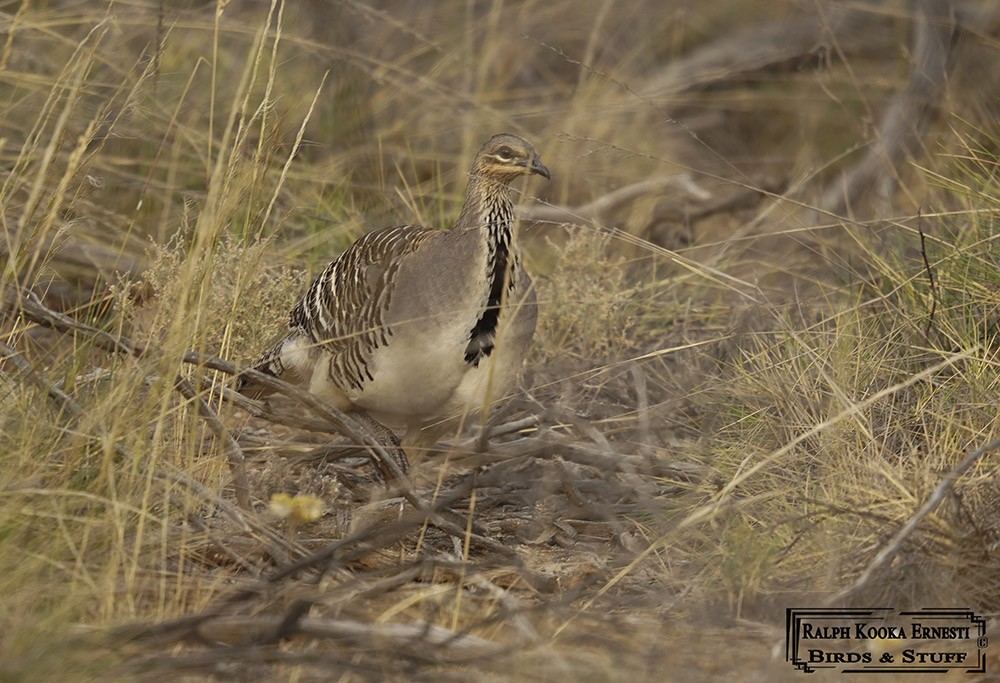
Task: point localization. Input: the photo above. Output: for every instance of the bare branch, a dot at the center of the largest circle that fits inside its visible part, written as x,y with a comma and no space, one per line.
418,635
596,211
900,133
940,491
234,455
60,398
33,308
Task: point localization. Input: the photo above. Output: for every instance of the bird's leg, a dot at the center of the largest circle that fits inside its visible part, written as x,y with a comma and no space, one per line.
389,441
419,442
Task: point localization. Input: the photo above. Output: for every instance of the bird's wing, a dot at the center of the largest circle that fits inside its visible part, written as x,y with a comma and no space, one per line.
343,309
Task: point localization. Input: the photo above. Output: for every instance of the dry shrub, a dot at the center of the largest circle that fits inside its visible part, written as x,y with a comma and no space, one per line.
586,304
240,305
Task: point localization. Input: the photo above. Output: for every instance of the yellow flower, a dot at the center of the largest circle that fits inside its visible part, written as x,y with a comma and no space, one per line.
298,509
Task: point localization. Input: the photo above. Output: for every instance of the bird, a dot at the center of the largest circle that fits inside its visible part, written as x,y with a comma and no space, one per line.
418,327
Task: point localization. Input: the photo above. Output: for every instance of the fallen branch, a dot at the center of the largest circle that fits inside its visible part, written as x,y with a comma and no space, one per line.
596,212
900,133
420,641
891,548
416,636
337,553
770,45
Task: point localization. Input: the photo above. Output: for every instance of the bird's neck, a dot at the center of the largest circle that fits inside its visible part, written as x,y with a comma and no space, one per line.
489,211
488,207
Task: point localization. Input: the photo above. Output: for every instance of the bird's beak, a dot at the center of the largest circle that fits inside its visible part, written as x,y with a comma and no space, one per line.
538,167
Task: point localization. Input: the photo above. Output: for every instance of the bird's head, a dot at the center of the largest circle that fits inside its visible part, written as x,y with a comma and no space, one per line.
505,157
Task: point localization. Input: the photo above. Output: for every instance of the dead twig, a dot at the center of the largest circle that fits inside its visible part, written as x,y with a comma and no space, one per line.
896,542
596,211
32,307
233,453
61,399
338,553
900,132
66,402
416,637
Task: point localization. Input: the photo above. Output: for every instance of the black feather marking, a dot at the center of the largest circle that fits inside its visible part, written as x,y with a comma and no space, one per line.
483,334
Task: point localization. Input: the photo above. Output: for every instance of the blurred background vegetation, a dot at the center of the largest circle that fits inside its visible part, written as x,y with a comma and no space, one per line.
770,282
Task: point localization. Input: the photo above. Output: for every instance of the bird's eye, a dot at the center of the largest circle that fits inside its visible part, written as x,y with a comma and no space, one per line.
505,154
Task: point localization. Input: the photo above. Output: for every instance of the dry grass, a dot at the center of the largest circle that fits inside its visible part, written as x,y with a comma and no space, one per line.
735,400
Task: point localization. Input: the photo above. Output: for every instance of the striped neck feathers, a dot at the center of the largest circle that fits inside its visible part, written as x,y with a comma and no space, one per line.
488,205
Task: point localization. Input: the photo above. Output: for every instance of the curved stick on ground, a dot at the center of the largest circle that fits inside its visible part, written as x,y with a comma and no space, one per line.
900,133
890,550
232,450
595,212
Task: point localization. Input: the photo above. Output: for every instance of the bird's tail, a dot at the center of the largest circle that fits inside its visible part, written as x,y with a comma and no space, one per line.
269,364
287,360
